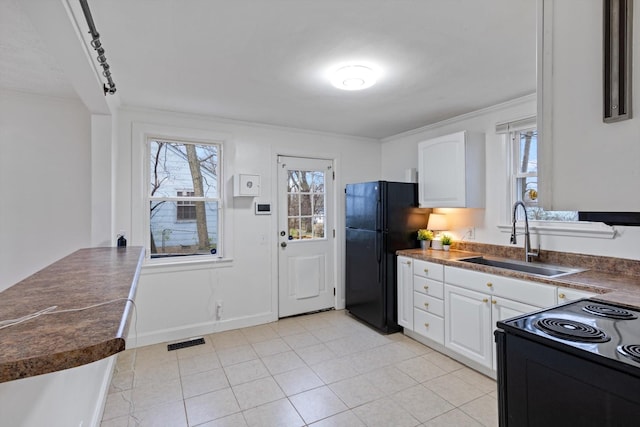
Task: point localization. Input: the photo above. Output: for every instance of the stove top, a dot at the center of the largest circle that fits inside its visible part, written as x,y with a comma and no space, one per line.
601,330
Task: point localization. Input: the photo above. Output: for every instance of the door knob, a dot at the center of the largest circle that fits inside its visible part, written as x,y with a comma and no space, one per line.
283,244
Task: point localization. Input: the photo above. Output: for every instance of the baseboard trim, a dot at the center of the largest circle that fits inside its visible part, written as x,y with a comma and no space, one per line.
198,329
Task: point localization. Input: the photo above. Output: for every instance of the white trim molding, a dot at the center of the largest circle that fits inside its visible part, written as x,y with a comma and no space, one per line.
568,229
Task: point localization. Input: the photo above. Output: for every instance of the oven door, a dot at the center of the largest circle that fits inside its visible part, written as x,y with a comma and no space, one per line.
543,386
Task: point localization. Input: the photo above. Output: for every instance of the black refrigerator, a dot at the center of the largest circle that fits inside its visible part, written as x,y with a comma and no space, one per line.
381,218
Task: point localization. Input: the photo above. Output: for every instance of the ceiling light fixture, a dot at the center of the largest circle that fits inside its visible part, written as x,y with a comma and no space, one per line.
353,77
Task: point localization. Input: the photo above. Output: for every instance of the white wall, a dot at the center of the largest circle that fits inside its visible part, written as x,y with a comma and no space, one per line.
45,182
45,214
178,302
400,152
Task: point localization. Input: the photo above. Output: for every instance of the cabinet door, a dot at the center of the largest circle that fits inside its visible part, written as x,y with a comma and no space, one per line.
502,309
451,171
468,324
405,293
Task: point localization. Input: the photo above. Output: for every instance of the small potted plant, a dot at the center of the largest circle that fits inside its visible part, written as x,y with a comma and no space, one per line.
425,236
446,242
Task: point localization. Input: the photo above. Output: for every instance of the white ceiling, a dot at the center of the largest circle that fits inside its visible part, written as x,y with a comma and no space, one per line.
265,61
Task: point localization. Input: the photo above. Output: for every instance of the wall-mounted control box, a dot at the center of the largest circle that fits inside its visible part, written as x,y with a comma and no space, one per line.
246,185
263,208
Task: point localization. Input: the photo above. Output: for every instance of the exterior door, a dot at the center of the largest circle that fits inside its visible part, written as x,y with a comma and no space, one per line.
306,276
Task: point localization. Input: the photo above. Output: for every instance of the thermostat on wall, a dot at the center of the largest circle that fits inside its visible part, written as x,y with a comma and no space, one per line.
263,208
246,185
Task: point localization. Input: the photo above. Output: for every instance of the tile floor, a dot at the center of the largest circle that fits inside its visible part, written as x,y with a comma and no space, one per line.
323,369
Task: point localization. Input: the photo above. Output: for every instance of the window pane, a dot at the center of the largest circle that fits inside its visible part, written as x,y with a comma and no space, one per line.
171,237
294,228
306,229
293,208
528,152
305,204
180,165
318,227
318,204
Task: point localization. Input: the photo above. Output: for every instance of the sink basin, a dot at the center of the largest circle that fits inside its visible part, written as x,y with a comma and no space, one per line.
530,268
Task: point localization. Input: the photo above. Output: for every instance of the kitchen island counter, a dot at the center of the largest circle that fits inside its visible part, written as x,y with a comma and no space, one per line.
613,280
90,296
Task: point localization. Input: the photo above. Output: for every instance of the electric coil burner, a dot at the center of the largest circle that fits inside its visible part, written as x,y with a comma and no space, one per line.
577,364
571,330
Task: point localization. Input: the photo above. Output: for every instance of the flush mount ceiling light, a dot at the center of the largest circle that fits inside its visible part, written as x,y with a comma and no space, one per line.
353,77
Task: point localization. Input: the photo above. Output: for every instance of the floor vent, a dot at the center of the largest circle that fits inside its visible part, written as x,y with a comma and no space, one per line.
185,344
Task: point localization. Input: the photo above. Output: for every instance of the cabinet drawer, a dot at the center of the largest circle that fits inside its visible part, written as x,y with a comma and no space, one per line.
429,304
428,287
429,270
428,325
532,293
570,294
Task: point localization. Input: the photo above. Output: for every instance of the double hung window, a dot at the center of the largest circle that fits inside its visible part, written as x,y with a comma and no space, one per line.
184,198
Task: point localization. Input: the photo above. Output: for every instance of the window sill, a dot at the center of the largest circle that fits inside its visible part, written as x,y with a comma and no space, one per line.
190,263
595,230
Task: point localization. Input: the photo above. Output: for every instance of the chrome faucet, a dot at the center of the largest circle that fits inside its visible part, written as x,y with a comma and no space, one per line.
527,239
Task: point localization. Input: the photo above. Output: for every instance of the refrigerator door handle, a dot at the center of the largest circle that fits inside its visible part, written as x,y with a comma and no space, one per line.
378,209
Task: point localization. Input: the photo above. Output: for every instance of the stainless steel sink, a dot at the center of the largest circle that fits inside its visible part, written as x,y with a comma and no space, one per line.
545,270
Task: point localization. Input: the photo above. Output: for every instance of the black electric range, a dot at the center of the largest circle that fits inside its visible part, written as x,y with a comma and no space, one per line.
574,364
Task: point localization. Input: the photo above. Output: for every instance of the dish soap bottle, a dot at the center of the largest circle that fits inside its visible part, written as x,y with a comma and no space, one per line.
122,242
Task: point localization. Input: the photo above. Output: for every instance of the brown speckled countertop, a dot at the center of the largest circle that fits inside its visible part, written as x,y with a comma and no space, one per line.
614,280
57,341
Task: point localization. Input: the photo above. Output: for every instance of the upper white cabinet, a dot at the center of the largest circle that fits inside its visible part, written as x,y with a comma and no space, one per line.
585,164
451,171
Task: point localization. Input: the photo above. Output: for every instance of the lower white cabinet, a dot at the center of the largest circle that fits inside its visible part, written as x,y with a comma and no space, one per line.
468,324
502,309
570,294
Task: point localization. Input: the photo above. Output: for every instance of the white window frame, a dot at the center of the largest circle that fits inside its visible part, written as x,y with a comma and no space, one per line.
548,228
141,133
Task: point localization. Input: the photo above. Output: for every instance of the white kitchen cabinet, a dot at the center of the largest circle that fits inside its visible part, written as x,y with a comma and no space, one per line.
475,301
405,292
468,324
585,164
570,294
452,171
428,303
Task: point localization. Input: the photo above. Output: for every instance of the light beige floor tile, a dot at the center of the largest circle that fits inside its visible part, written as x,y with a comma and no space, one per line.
304,339
234,420
356,391
286,327
279,413
355,343
271,347
420,369
453,418
298,380
453,389
331,333
153,373
238,354
443,362
493,394
121,381
415,347
155,394
334,370
153,354
422,403
198,363
167,415
314,322
315,354
246,371
476,379
117,422
385,413
316,404
390,379
195,350
258,392
228,339
117,405
259,333
483,410
126,360
283,362
343,419
203,382
211,406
